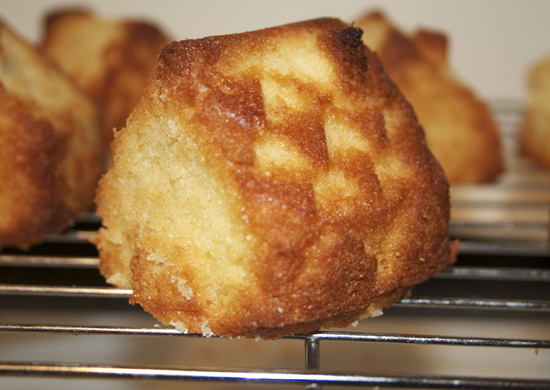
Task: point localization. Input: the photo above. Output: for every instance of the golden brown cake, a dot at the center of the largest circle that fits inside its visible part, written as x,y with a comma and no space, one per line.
110,59
535,133
460,129
269,183
51,145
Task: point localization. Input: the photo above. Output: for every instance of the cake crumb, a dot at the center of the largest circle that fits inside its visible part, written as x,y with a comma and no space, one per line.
180,326
184,290
206,331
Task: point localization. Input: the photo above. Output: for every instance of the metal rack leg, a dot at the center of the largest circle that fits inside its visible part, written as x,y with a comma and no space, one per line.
313,359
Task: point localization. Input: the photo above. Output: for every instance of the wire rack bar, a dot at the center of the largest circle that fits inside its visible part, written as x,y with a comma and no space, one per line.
435,303
312,350
312,340
266,376
49,261
461,303
457,228
511,274
501,274
504,249
430,340
527,218
72,237
62,291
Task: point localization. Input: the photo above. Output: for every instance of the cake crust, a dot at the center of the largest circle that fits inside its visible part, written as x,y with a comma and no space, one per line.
270,183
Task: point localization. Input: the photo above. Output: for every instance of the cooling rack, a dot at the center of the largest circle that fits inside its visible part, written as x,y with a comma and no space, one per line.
502,276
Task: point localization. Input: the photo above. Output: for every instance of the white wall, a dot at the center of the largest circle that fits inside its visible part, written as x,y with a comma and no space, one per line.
493,42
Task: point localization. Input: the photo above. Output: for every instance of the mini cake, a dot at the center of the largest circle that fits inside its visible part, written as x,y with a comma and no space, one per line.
460,129
269,183
534,137
51,145
112,60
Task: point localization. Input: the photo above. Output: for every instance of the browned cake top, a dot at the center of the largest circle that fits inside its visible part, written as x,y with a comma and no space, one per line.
280,177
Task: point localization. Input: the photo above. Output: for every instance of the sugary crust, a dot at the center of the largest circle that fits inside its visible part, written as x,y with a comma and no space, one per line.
50,136
534,137
112,60
269,183
459,127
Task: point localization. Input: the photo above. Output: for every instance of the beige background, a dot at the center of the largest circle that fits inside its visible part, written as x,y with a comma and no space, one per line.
493,42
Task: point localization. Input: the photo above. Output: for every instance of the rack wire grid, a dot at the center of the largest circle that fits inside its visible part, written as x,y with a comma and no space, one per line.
494,302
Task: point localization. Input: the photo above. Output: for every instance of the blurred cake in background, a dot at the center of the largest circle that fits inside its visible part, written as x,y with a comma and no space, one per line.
110,59
51,145
535,132
459,127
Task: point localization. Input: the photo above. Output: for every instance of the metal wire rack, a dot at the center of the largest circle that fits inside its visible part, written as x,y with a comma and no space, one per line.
503,273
